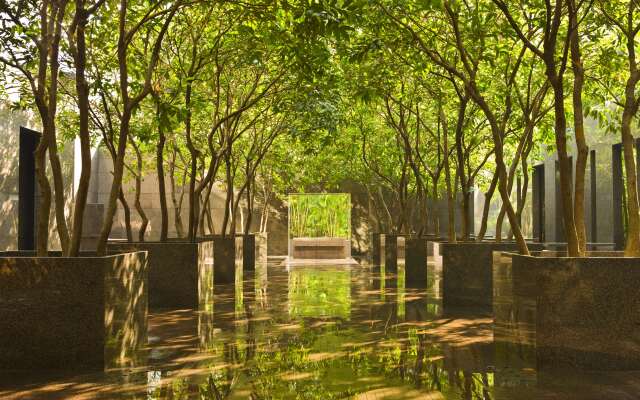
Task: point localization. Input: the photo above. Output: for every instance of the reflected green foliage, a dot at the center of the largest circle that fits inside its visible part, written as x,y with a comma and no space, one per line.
320,215
320,293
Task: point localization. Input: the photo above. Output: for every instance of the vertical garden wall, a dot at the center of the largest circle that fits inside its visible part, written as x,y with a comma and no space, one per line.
317,215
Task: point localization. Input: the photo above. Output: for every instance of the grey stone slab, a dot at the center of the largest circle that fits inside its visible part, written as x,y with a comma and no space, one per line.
416,262
467,271
179,271
586,311
71,313
227,256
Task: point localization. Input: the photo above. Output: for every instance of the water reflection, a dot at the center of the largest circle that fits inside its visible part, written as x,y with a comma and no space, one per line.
324,332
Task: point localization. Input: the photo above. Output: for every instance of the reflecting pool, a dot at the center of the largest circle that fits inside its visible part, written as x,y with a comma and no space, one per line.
329,332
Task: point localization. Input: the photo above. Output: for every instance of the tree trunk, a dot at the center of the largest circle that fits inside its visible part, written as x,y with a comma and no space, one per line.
578,121
464,207
632,247
138,204
193,213
116,184
177,206
127,216
164,212
79,56
566,183
44,195
447,173
486,206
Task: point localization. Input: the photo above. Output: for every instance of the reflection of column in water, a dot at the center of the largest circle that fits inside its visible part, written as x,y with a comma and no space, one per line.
514,330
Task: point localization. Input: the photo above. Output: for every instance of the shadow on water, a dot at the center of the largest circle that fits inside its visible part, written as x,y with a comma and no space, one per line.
330,332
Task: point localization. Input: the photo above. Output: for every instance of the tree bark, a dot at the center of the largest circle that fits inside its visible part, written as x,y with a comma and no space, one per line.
578,122
447,173
79,52
164,212
486,206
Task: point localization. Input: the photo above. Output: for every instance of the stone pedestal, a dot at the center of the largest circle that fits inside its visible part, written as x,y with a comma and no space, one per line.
321,248
248,252
91,226
71,313
180,272
262,248
227,254
416,263
374,248
467,269
586,310
390,252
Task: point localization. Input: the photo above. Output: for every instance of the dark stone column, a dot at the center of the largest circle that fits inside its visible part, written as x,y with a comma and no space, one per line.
391,253
374,249
591,200
224,260
538,202
617,190
416,263
248,252
27,189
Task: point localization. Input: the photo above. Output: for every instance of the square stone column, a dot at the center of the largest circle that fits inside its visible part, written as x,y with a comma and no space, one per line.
416,262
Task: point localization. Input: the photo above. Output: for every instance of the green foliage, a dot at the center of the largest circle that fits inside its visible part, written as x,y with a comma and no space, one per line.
320,215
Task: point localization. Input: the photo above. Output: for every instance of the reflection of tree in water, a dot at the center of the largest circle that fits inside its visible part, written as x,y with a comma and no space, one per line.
267,355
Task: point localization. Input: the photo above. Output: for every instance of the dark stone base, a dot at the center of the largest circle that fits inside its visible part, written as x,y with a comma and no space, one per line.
262,249
180,272
227,254
390,252
416,263
586,311
374,248
248,252
71,313
467,270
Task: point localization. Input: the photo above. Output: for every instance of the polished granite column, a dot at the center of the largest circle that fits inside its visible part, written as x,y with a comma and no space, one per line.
467,269
374,248
538,202
248,252
71,313
227,254
416,262
391,252
27,189
587,310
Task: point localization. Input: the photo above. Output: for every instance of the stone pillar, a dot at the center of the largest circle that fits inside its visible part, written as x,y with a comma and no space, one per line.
617,192
416,262
27,189
391,253
224,259
374,248
538,202
248,252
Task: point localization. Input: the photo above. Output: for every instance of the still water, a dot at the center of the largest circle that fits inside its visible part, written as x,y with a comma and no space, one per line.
328,332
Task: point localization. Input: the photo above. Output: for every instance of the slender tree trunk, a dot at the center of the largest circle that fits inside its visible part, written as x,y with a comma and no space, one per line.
447,173
578,121
44,195
632,247
486,207
193,212
566,183
54,159
177,206
116,184
460,170
79,55
127,216
164,212
138,178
